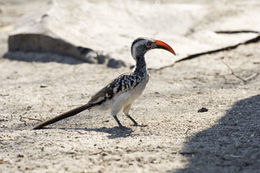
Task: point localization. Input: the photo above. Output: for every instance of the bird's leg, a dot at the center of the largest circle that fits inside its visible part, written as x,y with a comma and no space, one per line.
114,111
118,122
126,112
135,123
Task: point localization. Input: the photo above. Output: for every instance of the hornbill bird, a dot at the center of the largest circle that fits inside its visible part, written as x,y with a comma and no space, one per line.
122,91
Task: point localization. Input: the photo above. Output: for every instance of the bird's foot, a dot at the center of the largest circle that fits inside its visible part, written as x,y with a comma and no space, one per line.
124,128
135,124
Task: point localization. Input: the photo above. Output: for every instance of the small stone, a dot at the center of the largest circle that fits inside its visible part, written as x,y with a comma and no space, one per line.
43,86
20,155
152,160
203,109
104,154
28,108
112,63
101,59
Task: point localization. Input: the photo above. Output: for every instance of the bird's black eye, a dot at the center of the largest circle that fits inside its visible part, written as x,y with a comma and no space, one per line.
149,44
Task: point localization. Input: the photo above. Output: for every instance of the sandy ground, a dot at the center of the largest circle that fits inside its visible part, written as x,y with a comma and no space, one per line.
177,137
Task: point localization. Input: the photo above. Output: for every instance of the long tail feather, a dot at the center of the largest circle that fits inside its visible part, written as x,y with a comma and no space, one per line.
63,116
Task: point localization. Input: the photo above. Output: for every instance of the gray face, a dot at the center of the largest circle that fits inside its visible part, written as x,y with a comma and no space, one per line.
140,46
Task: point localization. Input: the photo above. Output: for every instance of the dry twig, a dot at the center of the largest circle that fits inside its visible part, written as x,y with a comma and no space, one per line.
232,72
237,76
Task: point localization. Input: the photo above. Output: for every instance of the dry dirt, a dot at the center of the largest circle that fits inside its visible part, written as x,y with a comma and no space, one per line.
177,137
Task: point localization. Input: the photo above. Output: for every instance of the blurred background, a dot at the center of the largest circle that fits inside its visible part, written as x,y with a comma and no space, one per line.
202,115
111,26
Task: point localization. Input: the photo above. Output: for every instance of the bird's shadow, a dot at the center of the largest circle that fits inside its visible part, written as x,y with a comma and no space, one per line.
114,132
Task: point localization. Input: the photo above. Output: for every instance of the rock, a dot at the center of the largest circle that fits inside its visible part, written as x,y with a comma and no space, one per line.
20,155
75,22
101,59
57,33
33,47
45,44
203,110
89,54
112,63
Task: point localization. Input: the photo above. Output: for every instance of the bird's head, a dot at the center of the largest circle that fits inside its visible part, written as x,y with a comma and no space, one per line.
141,45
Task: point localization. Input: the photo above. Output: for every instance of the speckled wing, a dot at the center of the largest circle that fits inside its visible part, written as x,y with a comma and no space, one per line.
121,84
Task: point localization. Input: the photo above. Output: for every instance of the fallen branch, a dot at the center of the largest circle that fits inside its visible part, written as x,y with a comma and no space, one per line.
236,32
227,48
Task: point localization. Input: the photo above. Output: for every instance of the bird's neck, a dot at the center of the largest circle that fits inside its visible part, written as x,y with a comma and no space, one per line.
140,67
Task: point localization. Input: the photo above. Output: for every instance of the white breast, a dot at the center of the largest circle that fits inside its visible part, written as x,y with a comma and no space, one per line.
121,100
127,98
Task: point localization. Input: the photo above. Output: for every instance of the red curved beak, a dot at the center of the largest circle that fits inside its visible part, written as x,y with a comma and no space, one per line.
165,46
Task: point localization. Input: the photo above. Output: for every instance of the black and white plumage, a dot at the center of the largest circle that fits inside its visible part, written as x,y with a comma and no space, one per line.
122,91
